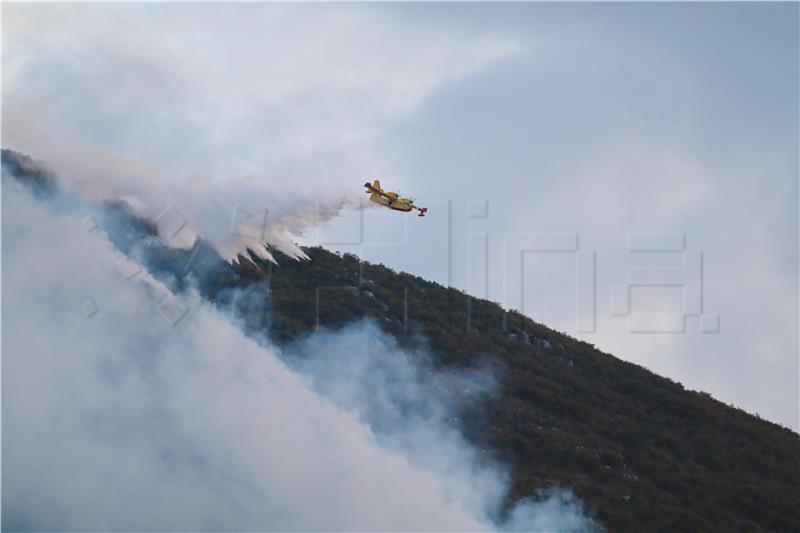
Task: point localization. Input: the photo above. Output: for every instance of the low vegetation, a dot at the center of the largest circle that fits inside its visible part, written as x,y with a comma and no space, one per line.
642,451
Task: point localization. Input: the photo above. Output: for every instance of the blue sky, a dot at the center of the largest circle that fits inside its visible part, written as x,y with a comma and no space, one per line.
595,120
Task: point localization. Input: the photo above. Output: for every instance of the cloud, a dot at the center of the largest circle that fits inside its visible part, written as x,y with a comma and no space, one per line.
234,89
222,116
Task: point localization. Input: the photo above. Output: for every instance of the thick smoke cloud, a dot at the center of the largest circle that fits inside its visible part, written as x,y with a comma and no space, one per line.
120,421
413,409
117,416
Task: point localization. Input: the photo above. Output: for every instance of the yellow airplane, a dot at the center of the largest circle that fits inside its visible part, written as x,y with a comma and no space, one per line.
391,199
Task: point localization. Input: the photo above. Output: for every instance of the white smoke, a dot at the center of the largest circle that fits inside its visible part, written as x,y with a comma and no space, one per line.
232,215
412,408
246,212
115,418
119,421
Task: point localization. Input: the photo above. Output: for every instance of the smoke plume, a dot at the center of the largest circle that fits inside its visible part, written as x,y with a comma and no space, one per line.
129,405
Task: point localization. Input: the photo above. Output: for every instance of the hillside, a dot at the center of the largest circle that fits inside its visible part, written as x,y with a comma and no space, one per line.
646,453
642,451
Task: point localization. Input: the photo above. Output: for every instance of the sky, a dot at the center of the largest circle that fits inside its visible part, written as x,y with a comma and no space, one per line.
568,153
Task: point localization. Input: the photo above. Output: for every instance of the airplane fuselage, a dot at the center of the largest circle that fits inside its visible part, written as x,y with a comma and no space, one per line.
391,199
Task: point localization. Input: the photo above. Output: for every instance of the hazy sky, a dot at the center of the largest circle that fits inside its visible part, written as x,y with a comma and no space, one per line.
574,122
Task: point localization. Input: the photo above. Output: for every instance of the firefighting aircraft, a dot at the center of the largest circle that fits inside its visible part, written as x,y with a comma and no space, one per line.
391,199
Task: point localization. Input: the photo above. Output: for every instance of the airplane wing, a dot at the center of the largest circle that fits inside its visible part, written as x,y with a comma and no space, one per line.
376,191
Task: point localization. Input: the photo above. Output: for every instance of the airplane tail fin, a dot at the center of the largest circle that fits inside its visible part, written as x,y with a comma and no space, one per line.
374,188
